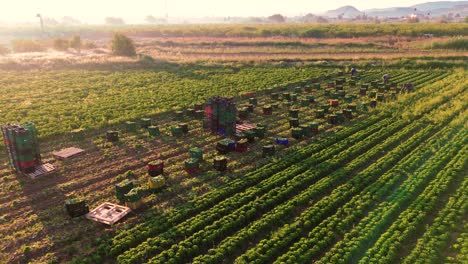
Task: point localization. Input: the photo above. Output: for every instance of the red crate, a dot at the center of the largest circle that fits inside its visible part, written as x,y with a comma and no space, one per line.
192,170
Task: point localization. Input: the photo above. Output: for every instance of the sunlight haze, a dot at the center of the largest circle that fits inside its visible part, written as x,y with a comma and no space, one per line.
134,11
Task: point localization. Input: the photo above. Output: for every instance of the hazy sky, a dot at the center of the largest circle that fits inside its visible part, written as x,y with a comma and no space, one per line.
94,11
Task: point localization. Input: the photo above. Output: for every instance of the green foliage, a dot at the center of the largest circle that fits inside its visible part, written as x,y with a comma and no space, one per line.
122,46
93,99
306,202
343,30
61,44
460,43
26,45
257,30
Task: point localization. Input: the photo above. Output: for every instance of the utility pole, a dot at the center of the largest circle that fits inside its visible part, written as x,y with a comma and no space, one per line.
42,22
167,12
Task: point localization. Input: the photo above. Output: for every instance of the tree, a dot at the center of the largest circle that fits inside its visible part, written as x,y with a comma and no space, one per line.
151,19
61,44
75,43
122,46
116,21
466,19
309,18
276,18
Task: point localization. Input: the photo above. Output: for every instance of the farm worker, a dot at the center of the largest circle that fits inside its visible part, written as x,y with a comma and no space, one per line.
386,77
353,71
409,87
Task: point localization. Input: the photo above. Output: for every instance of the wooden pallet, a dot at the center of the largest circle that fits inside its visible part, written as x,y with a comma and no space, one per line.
68,153
108,213
41,170
244,127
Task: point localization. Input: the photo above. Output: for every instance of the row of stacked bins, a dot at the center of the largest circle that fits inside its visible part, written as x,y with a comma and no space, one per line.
220,115
22,147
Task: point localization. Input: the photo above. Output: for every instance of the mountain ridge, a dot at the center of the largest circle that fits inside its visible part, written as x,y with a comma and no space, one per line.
436,8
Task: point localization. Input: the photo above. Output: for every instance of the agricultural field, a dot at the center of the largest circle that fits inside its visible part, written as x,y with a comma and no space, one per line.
263,209
371,173
242,43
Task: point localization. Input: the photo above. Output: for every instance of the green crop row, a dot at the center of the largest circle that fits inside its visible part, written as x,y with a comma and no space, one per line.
263,176
60,101
346,249
387,246
430,246
281,212
272,188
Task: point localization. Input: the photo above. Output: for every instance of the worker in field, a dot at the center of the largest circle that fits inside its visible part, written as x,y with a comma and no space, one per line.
354,72
386,78
408,87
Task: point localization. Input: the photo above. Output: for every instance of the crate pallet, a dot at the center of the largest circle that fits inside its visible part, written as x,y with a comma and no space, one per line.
41,170
108,213
68,153
244,127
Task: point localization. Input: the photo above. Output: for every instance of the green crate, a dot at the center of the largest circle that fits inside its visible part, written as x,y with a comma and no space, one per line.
196,153
154,131
296,132
191,163
130,126
134,195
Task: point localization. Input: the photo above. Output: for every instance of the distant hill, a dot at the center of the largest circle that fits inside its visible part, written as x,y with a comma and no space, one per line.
433,8
390,12
344,11
438,5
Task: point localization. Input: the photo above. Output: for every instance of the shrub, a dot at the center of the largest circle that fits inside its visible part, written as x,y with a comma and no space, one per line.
61,44
75,42
26,45
89,45
276,18
123,46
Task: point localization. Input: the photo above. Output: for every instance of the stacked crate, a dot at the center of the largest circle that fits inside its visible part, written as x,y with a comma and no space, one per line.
220,115
22,147
156,168
122,188
220,163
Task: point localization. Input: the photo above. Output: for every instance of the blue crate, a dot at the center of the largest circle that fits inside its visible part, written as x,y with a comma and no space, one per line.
282,141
